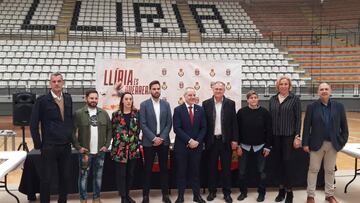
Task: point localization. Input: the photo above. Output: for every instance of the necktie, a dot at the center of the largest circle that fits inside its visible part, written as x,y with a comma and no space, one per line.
191,115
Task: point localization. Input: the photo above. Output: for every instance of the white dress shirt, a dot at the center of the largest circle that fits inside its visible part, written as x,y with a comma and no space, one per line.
218,109
156,105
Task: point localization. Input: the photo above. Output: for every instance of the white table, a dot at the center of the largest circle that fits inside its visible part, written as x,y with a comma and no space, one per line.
353,150
12,160
6,134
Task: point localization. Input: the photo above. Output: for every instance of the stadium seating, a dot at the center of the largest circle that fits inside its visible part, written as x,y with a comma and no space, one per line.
329,63
29,63
224,19
32,45
156,18
29,16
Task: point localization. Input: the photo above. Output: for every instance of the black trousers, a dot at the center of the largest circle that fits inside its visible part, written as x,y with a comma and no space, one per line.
149,155
125,176
260,169
283,152
222,150
51,156
188,168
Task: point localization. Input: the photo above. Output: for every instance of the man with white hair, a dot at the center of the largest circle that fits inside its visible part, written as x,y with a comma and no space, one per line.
190,129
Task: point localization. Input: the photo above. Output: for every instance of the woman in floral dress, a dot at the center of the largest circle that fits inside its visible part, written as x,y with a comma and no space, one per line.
125,146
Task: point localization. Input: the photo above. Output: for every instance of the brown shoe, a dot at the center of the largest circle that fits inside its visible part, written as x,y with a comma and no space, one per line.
83,201
97,200
331,199
310,200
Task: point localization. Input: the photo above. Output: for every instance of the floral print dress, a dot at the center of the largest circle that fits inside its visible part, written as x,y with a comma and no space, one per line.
125,145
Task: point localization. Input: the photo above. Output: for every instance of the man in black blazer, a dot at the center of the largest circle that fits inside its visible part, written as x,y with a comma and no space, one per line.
325,133
190,129
221,138
53,111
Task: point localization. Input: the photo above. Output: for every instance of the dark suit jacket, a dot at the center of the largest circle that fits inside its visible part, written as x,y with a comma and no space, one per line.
185,131
148,122
314,127
54,130
229,126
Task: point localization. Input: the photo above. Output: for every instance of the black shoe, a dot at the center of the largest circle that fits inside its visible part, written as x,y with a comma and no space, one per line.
211,196
228,198
242,196
199,199
289,197
166,199
145,199
261,197
281,196
180,199
131,200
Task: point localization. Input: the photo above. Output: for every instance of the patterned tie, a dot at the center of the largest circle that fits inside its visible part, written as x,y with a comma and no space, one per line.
191,115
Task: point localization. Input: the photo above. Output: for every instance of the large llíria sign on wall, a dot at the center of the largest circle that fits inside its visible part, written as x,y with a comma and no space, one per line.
134,75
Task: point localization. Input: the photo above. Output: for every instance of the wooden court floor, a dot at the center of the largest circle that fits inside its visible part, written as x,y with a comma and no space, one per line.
344,162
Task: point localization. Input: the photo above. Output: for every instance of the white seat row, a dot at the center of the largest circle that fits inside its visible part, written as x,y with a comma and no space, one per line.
55,43
32,61
223,20
15,17
208,44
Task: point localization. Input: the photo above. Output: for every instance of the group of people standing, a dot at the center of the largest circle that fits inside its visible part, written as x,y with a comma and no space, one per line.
253,132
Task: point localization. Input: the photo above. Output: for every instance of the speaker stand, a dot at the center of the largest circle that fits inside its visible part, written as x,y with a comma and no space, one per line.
23,143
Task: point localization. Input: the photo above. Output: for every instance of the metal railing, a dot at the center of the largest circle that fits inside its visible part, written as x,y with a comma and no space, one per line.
338,90
323,34
8,91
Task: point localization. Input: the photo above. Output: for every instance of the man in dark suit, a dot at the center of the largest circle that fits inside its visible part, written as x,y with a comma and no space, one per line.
53,111
325,133
221,138
190,129
155,122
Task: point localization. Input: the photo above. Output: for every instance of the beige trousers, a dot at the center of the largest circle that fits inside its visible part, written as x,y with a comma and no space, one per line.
328,154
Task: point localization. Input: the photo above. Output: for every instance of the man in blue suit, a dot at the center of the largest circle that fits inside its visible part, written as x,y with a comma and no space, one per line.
155,122
325,133
190,129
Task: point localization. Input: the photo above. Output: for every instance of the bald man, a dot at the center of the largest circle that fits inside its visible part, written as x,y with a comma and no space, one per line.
325,133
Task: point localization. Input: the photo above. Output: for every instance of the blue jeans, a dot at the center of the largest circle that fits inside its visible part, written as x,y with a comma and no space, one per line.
260,163
96,163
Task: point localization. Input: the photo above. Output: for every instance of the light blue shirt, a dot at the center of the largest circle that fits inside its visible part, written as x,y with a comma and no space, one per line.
256,148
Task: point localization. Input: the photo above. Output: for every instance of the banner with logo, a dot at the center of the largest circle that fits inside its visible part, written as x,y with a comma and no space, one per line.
134,75
174,76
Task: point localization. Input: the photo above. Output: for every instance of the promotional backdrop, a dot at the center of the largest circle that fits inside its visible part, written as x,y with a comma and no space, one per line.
174,76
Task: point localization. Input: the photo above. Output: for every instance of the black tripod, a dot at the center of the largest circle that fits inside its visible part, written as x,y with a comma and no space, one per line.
23,143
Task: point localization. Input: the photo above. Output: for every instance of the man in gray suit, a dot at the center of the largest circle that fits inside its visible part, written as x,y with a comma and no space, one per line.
155,123
325,133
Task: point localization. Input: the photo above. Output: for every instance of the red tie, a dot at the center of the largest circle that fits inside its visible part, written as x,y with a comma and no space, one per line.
191,115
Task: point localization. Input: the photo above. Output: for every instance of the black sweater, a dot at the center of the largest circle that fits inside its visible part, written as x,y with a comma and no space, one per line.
254,126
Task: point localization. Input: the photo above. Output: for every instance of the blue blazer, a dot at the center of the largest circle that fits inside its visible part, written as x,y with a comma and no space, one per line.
314,127
148,122
185,131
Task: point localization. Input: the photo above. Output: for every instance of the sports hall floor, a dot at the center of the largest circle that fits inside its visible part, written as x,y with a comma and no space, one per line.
343,175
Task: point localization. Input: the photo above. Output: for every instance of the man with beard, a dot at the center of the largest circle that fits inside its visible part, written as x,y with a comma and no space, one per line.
155,123
325,133
91,136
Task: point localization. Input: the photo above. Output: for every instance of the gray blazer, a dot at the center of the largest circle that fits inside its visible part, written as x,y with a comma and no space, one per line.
314,127
148,122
